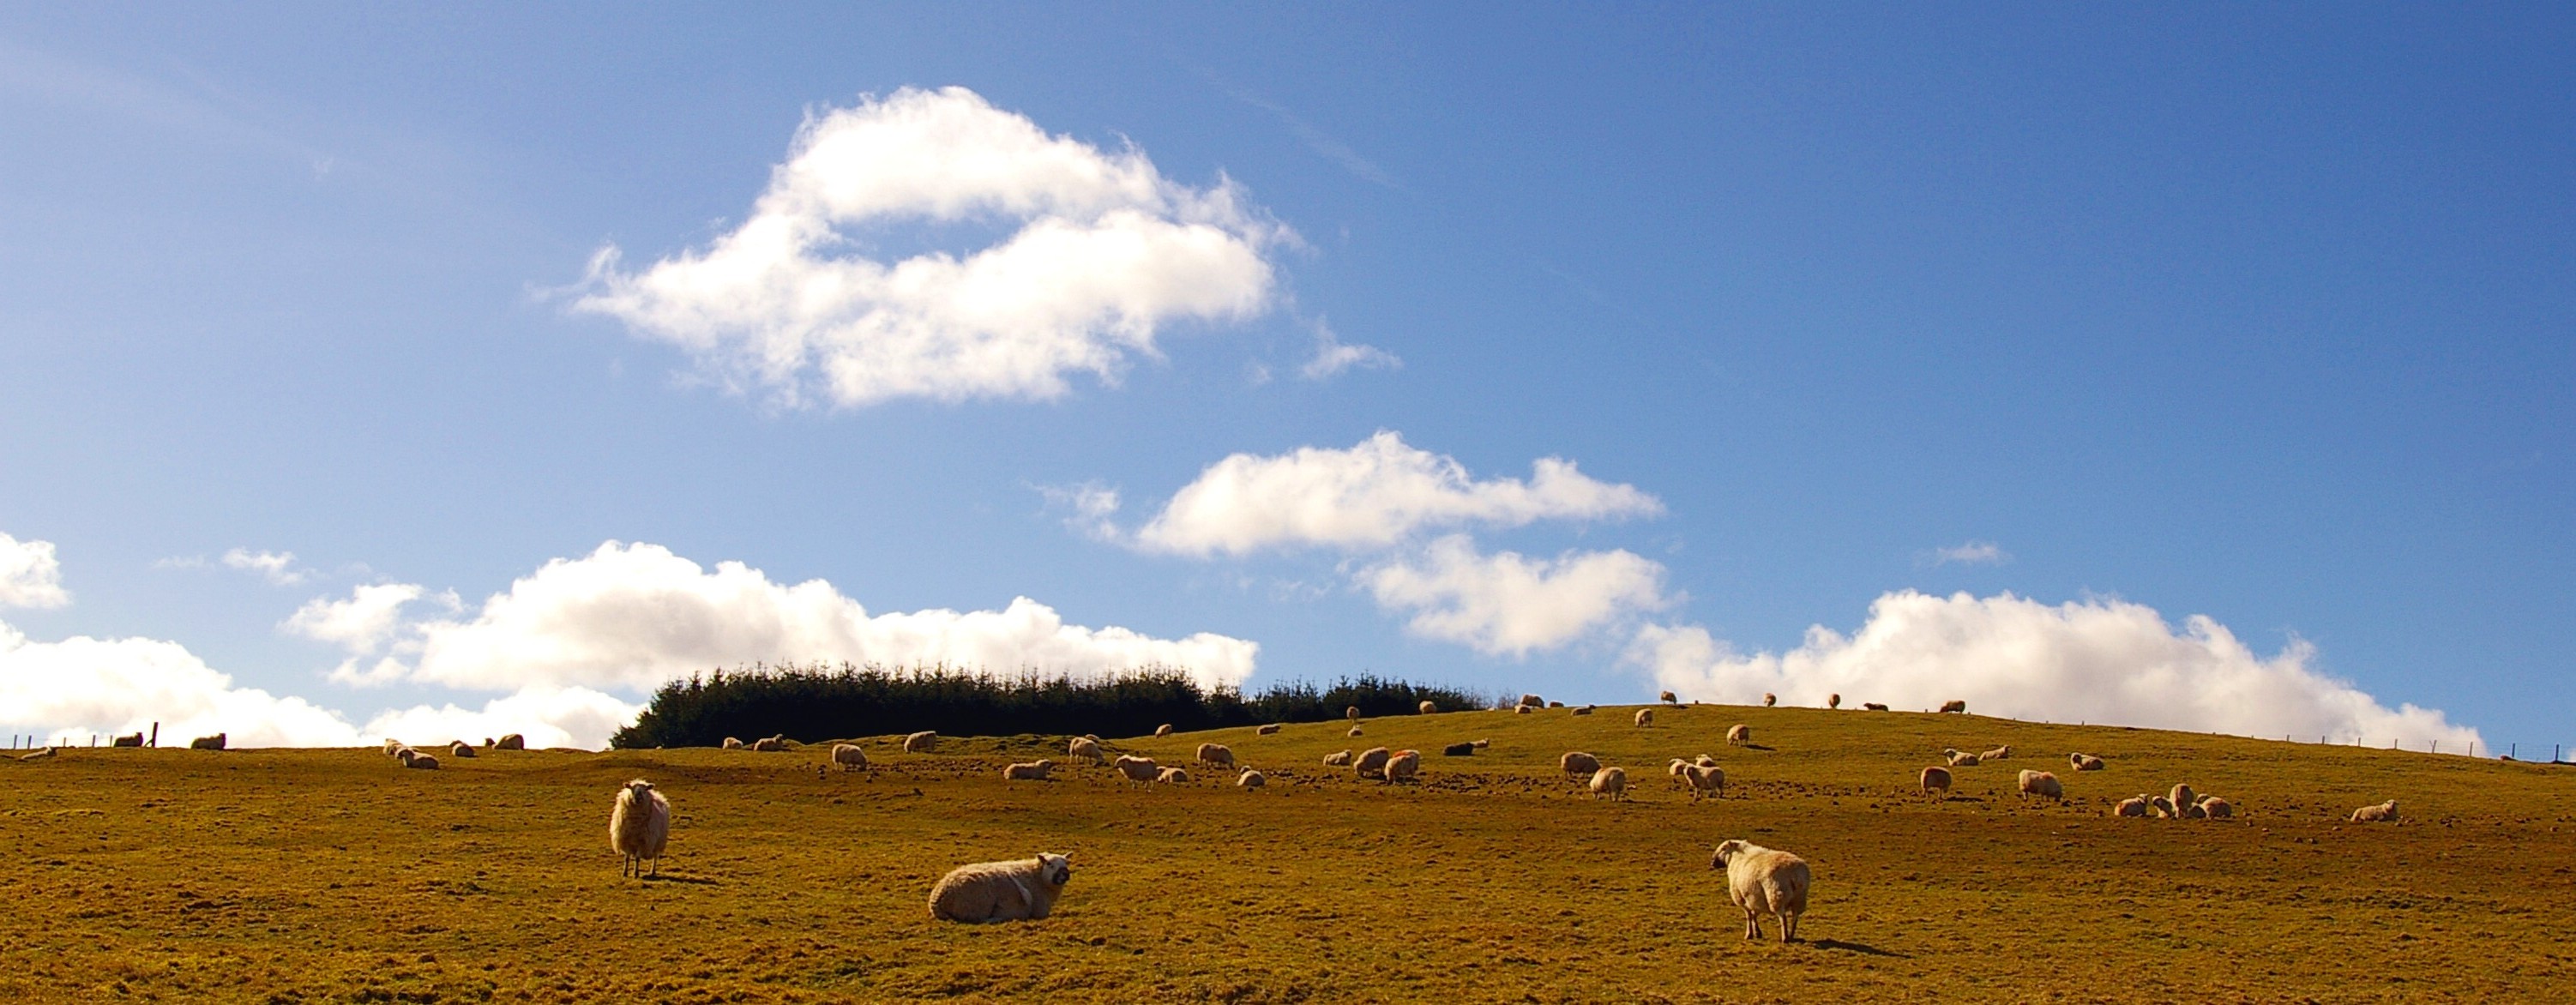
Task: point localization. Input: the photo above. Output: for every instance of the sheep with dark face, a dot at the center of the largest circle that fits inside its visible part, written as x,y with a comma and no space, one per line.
986,892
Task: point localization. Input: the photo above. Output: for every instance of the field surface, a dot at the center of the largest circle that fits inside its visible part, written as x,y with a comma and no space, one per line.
335,875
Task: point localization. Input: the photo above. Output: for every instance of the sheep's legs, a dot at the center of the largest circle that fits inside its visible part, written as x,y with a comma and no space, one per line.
1752,926
1788,929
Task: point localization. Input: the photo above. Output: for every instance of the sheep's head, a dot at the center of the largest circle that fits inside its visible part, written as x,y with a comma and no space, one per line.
642,789
1726,851
1054,869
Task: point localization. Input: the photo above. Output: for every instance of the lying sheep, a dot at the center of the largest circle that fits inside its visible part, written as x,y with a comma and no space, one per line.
1520,710
1955,705
1137,769
1576,762
771,744
1997,754
2164,808
1458,750
510,741
1163,730
1174,776
1217,754
1612,782
2041,784
1371,763
2192,811
1936,783
2134,806
1083,747
1427,708
1355,731
1668,698
1763,881
2383,813
730,743
1705,781
1739,735
1032,771
2084,762
1267,729
921,743
460,748
1250,779
1769,699
1585,710
1337,759
415,759
134,740
392,745
1402,766
987,892
215,742
1482,744
1834,700
1645,718
1871,706
1959,758
849,757
37,755
2216,808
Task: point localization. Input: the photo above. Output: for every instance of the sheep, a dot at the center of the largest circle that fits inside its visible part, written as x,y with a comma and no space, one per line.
1163,730
1458,750
732,743
2216,808
1669,698
2164,808
2383,813
2084,762
1936,782
215,742
1352,713
488,742
987,892
2041,784
135,740
1531,701
1955,705
1585,710
1083,747
1739,735
1556,704
1763,881
1173,776
768,745
921,743
510,741
1997,754
2134,806
639,827
415,759
392,745
1033,771
1834,700
1138,769
1769,699
460,749
1576,762
1250,779
1482,744
1871,706
1267,729
1705,780
1520,710
2192,811
1959,758
1612,782
1337,759
1216,753
1645,718
1371,763
1355,731
1674,771
1403,766
850,757
1427,708
38,755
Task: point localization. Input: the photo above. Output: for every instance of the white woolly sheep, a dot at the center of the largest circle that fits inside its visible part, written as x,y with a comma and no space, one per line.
1337,759
1163,730
1585,710
769,744
1427,708
1674,771
1352,713
1251,779
1267,729
1936,782
1174,776
38,755
1482,744
461,748
1576,762
987,892
1216,753
2084,762
1708,781
2164,808
215,742
1402,766
2216,808
1739,735
2134,806
1834,700
1138,769
850,757
415,759
1763,881
1521,709
2183,796
921,743
1083,747
1612,782
1645,717
1531,701
1769,699
2383,813
732,743
510,741
639,826
1371,763
2193,811
392,745
1704,761
1871,706
1031,771
1959,758
1669,698
1997,754
2041,784
1955,705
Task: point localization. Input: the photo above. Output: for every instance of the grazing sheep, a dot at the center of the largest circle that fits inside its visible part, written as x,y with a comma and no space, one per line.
135,740
1674,771
1163,730
2383,813
1083,747
2134,806
1216,753
415,759
1959,758
510,741
1402,766
1612,782
1834,700
1705,781
1997,754
1769,699
1763,881
2084,762
1955,705
2042,784
1267,729
849,757
1138,769
1427,708
1458,750
1355,731
2217,809
1669,699
1352,713
921,743
1174,776
768,745
639,826
460,749
1871,706
1531,701
1645,718
1739,735
1520,710
1936,782
215,742
1337,759
1032,771
1250,779
731,743
987,892
1371,763
1576,762
2164,807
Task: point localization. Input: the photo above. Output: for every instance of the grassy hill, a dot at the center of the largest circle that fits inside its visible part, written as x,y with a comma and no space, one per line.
300,875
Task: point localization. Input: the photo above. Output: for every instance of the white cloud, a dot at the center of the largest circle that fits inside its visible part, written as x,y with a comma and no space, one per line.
635,616
2102,661
82,686
277,567
1372,495
546,716
1332,356
1507,604
1971,553
1103,252
367,624
1090,508
29,574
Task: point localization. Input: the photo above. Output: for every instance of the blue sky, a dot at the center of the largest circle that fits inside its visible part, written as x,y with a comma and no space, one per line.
2001,344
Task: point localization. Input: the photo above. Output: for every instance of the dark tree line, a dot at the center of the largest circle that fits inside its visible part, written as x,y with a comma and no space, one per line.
815,702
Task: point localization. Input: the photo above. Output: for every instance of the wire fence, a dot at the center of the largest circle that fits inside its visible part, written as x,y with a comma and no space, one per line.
2544,753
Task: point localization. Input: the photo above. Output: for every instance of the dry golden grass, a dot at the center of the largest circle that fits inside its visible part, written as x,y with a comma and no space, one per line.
176,875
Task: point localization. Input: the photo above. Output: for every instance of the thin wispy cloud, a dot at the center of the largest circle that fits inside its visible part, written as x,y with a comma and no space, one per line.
1315,139
1333,356
1970,553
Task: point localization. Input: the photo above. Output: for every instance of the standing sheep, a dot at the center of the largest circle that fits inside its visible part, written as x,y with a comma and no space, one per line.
1251,779
1739,735
2383,813
2183,797
1352,713
1612,782
850,757
1834,700
1163,730
921,743
1669,698
1033,771
1337,759
1428,708
1769,699
510,741
1645,718
1403,766
1531,701
639,827
986,892
215,742
1371,763
1871,706
2134,806
1576,762
1217,754
1138,769
1705,781
1083,747
1936,783
1763,881
1955,705
2041,784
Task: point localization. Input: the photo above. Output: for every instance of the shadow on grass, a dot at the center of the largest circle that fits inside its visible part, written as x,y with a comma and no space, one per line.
1855,947
677,878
